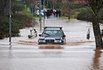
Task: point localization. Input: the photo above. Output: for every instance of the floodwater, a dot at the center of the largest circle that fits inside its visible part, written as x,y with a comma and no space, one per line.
51,59
97,62
23,55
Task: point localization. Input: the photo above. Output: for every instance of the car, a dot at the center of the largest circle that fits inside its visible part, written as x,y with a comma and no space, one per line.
52,35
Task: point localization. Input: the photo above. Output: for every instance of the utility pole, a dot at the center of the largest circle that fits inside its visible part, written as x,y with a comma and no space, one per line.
43,7
32,9
69,9
10,21
40,15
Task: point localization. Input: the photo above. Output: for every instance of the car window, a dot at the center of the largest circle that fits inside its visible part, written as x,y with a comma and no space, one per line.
51,28
53,33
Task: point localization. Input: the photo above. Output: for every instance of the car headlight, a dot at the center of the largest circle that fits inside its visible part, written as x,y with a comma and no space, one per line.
57,40
41,40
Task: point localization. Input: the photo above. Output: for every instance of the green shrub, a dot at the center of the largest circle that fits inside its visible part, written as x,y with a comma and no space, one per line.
20,19
86,15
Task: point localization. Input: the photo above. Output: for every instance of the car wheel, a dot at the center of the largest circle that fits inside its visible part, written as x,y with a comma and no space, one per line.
63,41
40,43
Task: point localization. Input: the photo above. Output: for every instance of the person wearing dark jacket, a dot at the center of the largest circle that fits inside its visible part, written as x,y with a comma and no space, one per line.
35,32
88,34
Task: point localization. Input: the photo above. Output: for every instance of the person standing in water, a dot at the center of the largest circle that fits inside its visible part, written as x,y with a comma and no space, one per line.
35,32
88,34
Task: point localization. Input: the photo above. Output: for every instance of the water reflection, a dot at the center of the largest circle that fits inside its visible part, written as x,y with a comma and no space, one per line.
10,55
50,47
52,53
96,60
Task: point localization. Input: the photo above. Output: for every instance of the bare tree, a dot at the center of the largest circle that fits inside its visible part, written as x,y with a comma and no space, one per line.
96,6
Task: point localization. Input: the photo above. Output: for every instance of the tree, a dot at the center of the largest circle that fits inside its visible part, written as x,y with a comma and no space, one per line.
19,18
96,6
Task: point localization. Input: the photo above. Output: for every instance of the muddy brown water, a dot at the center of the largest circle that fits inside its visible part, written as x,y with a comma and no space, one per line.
50,46
44,59
97,63
67,43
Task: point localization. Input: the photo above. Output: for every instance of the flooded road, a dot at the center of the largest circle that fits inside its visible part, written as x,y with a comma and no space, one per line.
51,59
77,54
97,63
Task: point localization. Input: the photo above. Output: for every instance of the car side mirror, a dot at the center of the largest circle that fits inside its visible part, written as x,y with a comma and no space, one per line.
39,34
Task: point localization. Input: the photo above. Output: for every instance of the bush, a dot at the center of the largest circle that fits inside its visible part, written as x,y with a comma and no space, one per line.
19,19
86,15
22,20
4,28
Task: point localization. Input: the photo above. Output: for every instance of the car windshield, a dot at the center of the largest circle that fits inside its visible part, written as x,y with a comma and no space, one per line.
52,28
52,33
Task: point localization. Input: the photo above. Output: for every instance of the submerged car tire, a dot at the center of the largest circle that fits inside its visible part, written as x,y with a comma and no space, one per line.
63,41
39,43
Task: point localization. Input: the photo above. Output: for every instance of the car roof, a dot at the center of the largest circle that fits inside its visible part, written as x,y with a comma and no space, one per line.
52,28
